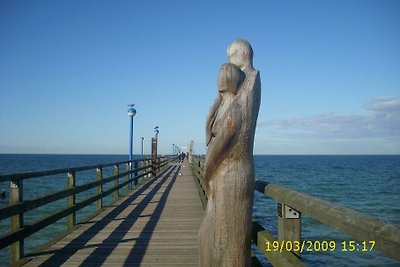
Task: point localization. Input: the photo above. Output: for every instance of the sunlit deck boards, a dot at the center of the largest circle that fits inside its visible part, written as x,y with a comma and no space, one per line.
154,226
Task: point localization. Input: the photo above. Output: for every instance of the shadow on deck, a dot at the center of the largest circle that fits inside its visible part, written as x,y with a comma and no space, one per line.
157,224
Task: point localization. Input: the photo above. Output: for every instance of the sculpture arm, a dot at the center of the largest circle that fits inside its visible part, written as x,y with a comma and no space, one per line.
222,143
211,117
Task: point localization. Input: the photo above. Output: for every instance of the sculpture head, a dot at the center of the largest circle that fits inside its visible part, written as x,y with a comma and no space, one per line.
230,78
240,53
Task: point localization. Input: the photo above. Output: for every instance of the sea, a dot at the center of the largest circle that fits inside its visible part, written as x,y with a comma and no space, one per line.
367,183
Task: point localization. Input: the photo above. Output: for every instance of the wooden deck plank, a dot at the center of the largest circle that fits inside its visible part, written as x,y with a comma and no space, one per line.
154,226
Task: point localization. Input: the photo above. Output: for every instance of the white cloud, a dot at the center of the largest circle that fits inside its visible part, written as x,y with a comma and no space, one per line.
378,126
382,119
384,104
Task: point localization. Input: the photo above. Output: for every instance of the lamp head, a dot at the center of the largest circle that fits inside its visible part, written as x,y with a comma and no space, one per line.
131,111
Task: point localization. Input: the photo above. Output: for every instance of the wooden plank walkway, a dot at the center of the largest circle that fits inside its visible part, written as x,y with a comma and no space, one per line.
157,225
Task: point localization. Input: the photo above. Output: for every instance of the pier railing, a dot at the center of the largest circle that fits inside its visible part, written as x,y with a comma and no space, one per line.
136,172
286,250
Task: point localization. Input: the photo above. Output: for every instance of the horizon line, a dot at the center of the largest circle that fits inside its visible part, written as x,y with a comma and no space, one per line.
111,154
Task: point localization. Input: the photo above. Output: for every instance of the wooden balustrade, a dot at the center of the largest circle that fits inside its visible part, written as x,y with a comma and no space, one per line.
292,204
197,168
357,225
18,206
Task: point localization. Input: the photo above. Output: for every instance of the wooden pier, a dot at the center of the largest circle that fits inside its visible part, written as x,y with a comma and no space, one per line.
155,225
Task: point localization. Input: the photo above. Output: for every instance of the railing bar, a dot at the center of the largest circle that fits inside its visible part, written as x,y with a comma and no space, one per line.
8,211
30,229
355,224
28,175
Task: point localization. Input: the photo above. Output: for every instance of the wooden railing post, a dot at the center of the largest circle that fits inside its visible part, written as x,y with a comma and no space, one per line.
116,181
289,225
17,221
145,170
149,169
153,157
143,165
136,173
99,189
71,200
127,178
160,162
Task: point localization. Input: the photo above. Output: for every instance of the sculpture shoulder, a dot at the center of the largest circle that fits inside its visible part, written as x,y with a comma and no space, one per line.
251,86
257,82
257,79
254,84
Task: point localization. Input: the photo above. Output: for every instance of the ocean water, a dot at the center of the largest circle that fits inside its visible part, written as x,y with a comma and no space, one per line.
370,184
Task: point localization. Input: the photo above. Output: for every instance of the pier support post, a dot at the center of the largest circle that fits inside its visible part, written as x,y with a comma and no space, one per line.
99,189
71,200
289,225
116,181
17,221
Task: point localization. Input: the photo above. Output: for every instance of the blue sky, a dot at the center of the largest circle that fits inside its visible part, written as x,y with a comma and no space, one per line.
330,73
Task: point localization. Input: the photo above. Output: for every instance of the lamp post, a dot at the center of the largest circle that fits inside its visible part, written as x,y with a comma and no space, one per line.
131,114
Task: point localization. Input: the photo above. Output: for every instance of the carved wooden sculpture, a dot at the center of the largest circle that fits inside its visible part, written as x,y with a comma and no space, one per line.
229,168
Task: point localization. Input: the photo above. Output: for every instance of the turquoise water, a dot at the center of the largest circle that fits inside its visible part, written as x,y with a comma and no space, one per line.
369,184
